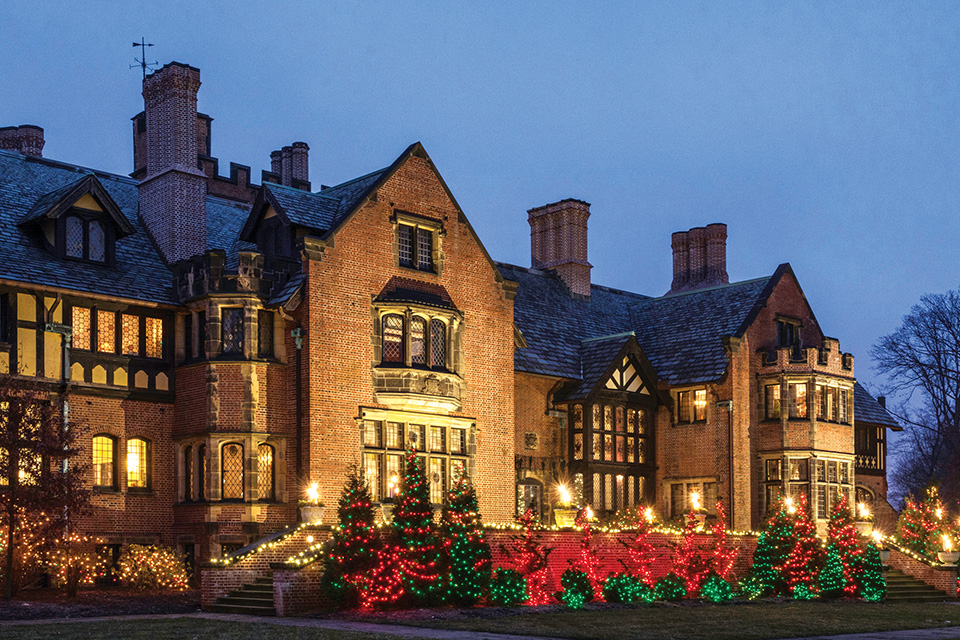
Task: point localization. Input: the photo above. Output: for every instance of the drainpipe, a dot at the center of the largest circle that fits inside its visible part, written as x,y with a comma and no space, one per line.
297,335
728,405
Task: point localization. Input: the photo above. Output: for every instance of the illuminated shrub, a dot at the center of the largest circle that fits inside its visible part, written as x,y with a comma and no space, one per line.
577,589
716,589
669,588
152,567
508,587
623,588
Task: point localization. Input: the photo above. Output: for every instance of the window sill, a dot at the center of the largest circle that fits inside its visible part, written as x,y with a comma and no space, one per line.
688,424
430,272
146,492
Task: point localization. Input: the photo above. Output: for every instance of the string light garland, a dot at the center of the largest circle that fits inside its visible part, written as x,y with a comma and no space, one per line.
843,535
577,588
806,556
467,556
508,587
588,561
529,559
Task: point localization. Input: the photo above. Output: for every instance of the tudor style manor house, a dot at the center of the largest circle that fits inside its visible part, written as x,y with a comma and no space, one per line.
234,342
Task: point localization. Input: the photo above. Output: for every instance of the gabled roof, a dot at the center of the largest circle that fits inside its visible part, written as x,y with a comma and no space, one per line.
866,409
681,334
55,203
294,206
400,290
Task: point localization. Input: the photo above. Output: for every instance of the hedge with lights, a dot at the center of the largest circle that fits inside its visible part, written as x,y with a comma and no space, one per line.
530,558
153,567
716,589
508,587
577,588
623,587
669,588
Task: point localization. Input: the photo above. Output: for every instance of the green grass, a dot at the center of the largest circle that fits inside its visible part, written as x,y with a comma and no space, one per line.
176,629
735,621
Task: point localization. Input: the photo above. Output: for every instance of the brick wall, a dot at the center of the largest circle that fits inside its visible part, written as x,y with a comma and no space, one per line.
942,578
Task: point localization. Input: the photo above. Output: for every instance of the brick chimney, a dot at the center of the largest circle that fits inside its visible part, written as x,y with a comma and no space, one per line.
699,258
26,139
292,165
299,162
173,192
558,240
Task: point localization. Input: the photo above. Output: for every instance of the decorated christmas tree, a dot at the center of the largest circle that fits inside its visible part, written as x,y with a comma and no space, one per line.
874,587
922,525
467,557
773,550
806,555
690,563
843,535
529,559
831,580
413,524
640,554
588,562
355,545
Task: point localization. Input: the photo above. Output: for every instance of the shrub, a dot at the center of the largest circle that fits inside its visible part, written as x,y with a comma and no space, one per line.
802,591
751,587
622,587
508,587
669,588
716,589
153,567
576,588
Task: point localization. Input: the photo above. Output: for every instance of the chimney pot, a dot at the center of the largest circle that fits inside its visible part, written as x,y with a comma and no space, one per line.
299,162
699,257
27,139
286,166
275,162
558,240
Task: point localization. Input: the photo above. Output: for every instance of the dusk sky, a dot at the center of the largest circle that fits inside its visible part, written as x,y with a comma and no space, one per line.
825,135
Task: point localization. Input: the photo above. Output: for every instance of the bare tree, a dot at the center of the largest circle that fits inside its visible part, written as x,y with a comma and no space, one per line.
921,361
40,485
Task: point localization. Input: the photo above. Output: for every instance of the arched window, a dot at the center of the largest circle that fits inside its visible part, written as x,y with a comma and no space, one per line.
418,341
201,472
187,473
138,463
393,338
74,237
231,469
438,344
265,469
104,461
97,249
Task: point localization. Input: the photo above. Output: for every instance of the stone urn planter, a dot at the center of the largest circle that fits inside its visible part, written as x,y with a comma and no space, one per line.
949,557
565,516
386,511
312,514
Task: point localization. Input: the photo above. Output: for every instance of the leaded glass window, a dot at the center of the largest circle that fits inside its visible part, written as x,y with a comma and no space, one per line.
130,334
394,471
104,448
81,328
74,237
232,471
154,338
371,433
416,436
395,435
371,473
138,460
201,472
438,344
265,472
458,441
405,246
438,480
578,446
425,250
232,328
418,344
106,332
265,333
188,474
436,439
97,250
393,338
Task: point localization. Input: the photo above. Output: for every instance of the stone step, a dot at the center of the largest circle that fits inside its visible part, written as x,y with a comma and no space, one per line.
264,580
916,599
252,595
246,610
259,586
244,602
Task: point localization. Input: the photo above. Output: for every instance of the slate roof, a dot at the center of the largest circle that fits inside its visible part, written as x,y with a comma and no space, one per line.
680,334
350,193
867,409
596,356
304,208
400,289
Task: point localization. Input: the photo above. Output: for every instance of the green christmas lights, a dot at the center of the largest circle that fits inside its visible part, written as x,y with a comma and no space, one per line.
508,587
467,558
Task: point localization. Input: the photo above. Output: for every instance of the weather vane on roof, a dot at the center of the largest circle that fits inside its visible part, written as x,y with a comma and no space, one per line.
142,60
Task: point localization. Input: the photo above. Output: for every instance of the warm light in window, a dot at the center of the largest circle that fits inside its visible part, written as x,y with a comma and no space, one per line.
136,463
700,404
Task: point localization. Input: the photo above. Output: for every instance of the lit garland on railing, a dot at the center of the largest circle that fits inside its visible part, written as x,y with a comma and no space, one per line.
242,554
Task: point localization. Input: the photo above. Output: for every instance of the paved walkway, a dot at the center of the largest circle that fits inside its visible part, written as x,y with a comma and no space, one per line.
942,633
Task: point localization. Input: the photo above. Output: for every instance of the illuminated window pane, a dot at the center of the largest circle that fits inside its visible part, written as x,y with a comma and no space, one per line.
232,471
103,461
130,334
631,447
395,435
596,418
458,469
393,338
371,433
608,447
458,441
74,237
700,405
438,480
578,417
621,493
106,332
232,330
81,328
621,446
578,446
607,418
631,420
406,246
371,473
154,338
418,345
597,447
798,400
98,242
394,471
641,451
265,472
436,439
438,344
416,436
608,492
137,471
619,426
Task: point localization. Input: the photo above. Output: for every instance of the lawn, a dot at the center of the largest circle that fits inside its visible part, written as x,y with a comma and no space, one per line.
735,621
175,629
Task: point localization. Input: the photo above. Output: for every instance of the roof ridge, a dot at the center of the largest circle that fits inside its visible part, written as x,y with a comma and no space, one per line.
713,288
271,185
100,173
625,334
343,184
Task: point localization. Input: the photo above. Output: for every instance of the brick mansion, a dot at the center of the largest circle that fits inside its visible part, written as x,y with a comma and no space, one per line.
231,343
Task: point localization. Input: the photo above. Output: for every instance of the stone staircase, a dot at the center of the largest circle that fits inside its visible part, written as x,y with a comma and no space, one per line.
255,599
903,588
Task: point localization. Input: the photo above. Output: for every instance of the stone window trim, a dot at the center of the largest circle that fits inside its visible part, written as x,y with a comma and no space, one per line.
452,324
825,400
206,456
692,405
206,332
800,472
420,224
105,462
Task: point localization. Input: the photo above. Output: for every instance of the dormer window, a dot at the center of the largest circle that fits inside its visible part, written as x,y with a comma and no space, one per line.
84,239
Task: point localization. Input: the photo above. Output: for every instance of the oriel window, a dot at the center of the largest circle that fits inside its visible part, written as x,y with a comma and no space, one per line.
265,472
130,334
81,328
393,338
232,471
154,338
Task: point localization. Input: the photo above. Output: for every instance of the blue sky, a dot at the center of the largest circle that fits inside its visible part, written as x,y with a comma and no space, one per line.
823,134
